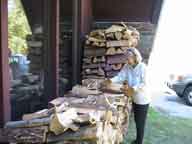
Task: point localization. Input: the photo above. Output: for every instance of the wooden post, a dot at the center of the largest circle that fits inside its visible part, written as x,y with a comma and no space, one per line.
51,45
4,66
82,16
156,10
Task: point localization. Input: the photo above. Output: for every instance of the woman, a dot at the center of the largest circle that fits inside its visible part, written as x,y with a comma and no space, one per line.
134,72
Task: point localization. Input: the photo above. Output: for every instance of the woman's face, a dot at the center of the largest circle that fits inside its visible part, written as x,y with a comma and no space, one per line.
131,60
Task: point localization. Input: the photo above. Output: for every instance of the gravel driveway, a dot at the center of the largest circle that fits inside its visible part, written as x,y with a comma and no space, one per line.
169,103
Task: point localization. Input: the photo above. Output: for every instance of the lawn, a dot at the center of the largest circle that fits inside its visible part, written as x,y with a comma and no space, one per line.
161,129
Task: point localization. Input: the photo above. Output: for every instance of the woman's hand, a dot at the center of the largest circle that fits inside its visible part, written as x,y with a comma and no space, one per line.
128,91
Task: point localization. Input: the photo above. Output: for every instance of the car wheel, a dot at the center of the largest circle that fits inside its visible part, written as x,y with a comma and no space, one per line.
187,95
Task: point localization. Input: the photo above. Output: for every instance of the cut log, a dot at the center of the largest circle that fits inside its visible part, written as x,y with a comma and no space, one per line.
28,123
110,36
101,72
111,51
118,35
23,135
37,115
92,39
95,60
83,118
94,52
119,51
61,122
116,59
122,43
83,134
57,101
83,91
35,43
114,28
93,66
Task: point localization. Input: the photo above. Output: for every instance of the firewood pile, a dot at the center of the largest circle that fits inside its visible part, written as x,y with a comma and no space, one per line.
104,50
36,55
84,114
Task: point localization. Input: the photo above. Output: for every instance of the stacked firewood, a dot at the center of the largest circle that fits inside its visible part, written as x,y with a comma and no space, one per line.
36,55
105,48
26,95
85,114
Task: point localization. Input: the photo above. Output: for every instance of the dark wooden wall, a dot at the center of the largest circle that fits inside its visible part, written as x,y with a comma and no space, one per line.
102,10
122,10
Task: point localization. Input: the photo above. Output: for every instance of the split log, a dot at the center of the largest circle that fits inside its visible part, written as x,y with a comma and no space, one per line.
83,91
24,135
121,43
83,118
91,83
87,60
111,51
83,134
114,28
118,35
116,59
119,51
28,123
93,66
35,43
37,115
99,34
61,122
101,72
93,77
94,52
110,36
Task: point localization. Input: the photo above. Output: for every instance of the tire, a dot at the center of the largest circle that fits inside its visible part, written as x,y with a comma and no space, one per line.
187,95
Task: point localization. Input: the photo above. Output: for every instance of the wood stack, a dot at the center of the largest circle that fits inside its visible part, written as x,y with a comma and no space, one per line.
82,115
104,50
26,95
36,55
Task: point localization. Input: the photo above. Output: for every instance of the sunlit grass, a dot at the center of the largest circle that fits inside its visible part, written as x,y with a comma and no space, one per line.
162,129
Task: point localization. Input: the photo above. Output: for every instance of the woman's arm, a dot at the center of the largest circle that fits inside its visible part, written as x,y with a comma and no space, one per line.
140,86
121,76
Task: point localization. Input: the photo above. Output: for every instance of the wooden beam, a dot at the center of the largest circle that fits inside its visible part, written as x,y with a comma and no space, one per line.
4,66
76,42
82,16
51,45
86,16
156,10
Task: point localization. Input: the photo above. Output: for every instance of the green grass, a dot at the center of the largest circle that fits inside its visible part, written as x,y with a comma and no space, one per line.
162,129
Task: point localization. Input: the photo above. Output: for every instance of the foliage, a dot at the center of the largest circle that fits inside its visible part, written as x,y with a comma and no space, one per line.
18,28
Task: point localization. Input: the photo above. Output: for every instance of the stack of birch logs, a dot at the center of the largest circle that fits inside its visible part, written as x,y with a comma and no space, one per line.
85,114
105,48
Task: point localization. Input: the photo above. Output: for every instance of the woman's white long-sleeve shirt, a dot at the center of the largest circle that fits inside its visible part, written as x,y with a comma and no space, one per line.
136,78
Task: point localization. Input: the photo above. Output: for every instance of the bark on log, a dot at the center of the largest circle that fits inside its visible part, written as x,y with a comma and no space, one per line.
37,115
122,43
23,135
84,134
28,123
